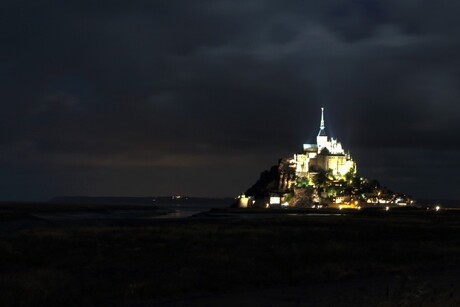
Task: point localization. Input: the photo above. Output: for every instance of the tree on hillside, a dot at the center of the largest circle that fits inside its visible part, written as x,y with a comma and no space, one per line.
303,197
302,182
323,178
268,181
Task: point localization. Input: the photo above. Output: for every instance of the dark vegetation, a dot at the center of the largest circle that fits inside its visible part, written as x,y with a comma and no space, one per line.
267,182
118,266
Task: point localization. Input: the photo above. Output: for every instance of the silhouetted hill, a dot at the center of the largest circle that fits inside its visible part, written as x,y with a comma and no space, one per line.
268,181
163,200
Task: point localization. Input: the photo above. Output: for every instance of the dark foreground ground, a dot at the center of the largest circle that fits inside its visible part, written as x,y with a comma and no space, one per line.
410,259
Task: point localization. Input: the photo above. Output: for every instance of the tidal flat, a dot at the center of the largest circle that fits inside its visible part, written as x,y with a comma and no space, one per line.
347,260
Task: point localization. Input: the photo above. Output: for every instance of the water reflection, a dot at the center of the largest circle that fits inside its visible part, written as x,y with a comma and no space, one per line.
185,210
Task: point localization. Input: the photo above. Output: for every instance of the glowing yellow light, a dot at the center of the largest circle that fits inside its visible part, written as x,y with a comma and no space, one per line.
387,208
340,207
438,208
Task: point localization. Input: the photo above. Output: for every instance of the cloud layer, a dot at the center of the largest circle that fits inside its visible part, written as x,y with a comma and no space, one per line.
197,97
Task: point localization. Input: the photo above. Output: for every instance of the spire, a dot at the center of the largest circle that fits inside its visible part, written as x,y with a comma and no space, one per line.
322,132
322,119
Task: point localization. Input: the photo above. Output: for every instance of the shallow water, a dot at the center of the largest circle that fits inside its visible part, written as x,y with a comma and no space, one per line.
184,211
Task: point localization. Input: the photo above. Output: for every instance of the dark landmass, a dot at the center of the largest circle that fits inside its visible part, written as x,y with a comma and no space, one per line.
142,200
397,258
445,203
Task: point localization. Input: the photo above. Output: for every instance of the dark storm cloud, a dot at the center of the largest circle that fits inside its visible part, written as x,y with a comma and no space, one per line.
223,88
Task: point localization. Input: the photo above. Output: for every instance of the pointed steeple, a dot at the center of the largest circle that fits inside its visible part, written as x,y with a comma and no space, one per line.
322,132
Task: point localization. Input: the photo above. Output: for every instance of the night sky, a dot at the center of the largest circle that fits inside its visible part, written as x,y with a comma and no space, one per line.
140,98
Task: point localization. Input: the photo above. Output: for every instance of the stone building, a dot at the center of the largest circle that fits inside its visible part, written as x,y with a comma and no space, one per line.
326,155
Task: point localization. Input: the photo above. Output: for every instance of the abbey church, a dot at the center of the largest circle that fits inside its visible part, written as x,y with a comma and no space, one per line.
327,155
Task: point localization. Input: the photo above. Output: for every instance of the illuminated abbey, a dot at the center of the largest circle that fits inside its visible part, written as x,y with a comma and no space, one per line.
322,175
326,155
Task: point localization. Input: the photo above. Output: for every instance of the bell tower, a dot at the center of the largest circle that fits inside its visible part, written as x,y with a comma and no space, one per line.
321,139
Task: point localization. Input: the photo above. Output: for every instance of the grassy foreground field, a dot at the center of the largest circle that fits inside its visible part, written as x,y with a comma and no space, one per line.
173,259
